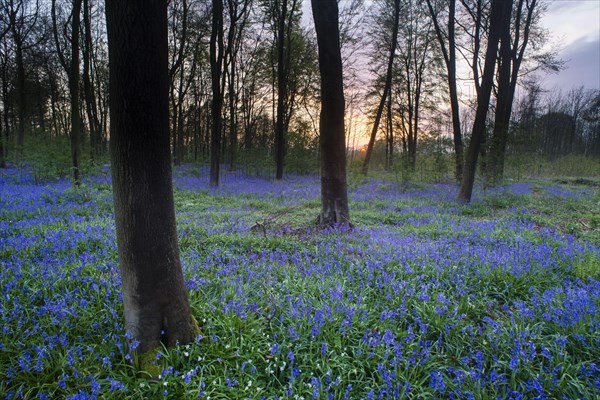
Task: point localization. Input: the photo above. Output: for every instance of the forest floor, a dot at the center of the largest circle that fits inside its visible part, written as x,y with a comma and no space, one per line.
423,298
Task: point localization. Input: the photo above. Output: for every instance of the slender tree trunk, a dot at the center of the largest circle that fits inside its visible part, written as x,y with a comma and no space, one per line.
180,132
6,108
390,120
334,197
386,89
281,90
74,89
237,22
499,17
454,106
503,102
21,99
449,54
88,86
155,300
233,142
513,57
2,147
174,120
216,66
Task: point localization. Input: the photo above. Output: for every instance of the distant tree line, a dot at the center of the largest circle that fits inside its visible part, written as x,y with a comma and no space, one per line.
244,79
556,124
241,77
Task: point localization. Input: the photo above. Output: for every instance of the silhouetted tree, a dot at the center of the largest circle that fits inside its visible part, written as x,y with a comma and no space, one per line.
499,21
387,86
21,18
512,51
449,52
71,67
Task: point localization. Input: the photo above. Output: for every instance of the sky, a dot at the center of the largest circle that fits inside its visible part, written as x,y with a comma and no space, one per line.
575,26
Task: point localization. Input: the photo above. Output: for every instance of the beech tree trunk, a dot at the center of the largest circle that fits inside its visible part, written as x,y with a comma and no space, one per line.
499,18
154,293
334,197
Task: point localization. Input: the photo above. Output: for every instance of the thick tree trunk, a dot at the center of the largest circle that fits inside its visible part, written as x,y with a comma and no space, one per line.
216,64
154,293
386,89
334,197
74,89
499,17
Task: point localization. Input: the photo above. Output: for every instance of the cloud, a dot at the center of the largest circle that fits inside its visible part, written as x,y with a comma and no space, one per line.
582,66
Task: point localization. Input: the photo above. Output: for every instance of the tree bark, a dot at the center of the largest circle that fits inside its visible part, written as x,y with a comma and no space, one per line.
334,197
386,89
216,68
499,18
155,300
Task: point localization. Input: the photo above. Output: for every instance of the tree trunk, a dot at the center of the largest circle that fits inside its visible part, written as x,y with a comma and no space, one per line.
449,54
503,103
2,155
155,300
237,22
281,91
216,66
454,106
74,89
513,56
386,89
499,18
6,109
334,198
88,87
21,99
233,142
390,144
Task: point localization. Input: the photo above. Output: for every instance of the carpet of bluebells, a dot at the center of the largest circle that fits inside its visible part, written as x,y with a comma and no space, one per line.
423,298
